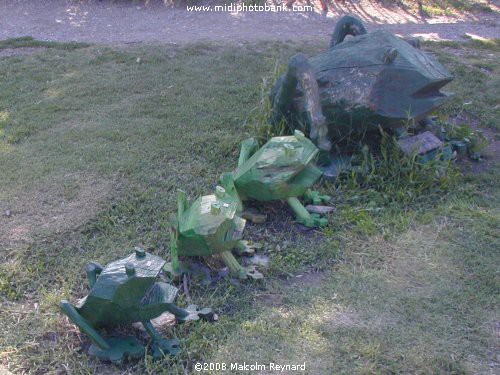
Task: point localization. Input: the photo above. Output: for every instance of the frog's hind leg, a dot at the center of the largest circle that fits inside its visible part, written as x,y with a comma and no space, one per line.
300,72
248,148
236,269
84,325
175,267
303,216
227,182
114,349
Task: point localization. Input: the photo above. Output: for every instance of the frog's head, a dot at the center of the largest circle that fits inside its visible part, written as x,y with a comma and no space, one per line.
221,216
136,273
409,85
210,224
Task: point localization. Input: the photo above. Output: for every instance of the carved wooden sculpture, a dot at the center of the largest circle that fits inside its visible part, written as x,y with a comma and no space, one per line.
282,169
359,84
127,291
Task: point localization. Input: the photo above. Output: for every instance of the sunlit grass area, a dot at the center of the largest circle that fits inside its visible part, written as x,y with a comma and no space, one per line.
94,142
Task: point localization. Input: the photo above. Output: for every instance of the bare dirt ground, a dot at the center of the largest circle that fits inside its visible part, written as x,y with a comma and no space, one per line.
151,21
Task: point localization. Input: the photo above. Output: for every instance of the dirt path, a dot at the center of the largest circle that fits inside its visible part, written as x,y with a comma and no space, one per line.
133,21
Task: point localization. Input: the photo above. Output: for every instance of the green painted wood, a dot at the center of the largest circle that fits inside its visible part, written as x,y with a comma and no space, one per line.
281,169
84,325
209,226
125,291
120,349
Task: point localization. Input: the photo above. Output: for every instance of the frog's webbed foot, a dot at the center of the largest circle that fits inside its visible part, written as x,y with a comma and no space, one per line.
193,313
316,198
162,347
252,273
253,215
237,270
318,221
304,217
314,221
246,248
247,272
120,350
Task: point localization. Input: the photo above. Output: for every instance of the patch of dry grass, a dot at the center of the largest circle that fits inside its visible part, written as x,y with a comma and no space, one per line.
52,207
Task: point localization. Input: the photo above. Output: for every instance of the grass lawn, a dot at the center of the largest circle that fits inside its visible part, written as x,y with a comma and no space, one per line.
94,142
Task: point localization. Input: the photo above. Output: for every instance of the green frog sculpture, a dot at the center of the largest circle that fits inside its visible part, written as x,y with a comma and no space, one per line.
126,291
209,226
282,169
359,84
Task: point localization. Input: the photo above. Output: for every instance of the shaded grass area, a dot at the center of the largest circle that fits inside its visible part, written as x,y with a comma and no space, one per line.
403,280
403,306
28,41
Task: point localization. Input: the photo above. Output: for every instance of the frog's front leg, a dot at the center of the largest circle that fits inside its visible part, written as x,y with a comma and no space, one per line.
244,247
190,313
300,72
114,349
303,216
227,182
236,269
248,148
160,345
93,270
174,267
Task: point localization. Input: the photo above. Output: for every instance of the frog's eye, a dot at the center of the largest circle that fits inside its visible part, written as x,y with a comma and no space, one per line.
289,149
298,134
130,269
139,253
220,192
215,208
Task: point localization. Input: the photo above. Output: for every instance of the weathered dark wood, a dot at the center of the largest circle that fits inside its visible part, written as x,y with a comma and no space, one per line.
347,25
362,83
300,72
